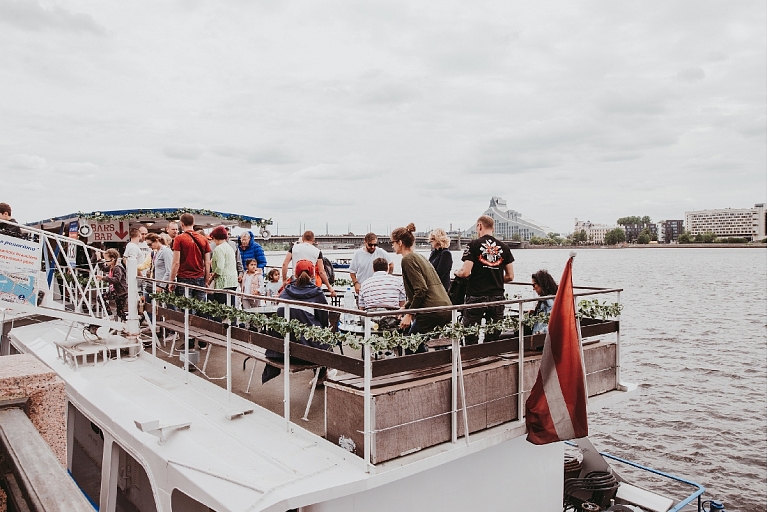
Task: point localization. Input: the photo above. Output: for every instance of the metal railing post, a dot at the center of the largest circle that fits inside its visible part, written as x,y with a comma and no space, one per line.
520,363
455,347
186,338
155,339
367,374
132,323
229,353
287,371
618,343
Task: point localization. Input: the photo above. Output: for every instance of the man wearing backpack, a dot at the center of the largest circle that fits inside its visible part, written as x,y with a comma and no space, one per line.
306,250
191,259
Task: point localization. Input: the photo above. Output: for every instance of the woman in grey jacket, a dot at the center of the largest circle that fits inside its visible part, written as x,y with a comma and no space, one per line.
162,259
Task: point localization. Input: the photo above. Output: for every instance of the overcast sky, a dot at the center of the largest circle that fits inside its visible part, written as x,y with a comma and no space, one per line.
382,113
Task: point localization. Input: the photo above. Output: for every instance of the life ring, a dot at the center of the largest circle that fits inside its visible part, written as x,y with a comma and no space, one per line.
265,234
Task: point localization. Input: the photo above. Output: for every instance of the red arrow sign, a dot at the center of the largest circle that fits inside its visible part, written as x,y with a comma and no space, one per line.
121,234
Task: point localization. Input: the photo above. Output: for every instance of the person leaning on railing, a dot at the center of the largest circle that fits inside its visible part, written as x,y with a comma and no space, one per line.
423,288
301,288
543,284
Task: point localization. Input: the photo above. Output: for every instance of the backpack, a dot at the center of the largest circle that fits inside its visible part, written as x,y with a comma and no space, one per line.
329,270
458,290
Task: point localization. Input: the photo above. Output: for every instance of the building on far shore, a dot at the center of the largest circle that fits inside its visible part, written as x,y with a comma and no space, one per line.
508,223
595,232
632,231
729,222
669,230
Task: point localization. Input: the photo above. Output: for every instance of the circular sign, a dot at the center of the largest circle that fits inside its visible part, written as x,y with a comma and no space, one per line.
85,230
265,234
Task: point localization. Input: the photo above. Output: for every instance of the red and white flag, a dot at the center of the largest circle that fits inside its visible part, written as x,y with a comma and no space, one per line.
556,410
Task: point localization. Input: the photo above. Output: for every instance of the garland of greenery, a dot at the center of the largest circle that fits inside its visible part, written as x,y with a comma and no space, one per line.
384,341
172,214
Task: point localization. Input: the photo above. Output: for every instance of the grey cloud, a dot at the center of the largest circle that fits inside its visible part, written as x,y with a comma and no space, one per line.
716,56
183,151
691,75
334,172
27,162
77,169
635,103
389,94
620,157
31,15
276,156
270,156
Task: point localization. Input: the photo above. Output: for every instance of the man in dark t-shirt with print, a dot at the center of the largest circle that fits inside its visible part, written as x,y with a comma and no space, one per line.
488,265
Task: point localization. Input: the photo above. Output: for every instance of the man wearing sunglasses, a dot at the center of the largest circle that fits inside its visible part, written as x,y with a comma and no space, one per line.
361,267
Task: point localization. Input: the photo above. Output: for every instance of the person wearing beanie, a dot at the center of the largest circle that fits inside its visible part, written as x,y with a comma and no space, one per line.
223,266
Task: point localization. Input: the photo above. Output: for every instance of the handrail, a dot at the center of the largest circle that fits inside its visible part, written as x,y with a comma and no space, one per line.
366,314
700,489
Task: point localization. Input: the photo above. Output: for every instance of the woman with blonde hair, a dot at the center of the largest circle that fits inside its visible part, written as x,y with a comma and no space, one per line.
423,288
440,257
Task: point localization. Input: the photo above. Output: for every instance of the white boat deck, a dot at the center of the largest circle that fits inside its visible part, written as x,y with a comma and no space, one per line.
247,463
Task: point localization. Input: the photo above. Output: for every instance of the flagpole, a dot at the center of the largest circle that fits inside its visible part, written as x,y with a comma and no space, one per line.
578,332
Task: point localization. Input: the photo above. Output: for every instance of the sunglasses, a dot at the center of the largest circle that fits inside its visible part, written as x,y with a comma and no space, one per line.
372,245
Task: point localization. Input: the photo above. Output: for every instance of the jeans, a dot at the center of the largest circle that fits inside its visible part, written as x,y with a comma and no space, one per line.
196,294
195,281
474,315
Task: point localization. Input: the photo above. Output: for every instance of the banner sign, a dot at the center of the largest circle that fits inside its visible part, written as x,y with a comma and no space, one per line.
73,228
19,267
109,231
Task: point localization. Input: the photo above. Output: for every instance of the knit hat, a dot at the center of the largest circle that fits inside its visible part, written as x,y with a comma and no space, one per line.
305,265
219,233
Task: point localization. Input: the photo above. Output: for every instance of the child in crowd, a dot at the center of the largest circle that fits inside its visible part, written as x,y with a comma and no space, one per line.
273,285
252,283
118,284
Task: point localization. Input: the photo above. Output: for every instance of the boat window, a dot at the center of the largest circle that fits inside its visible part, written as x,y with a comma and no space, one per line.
181,502
134,492
86,449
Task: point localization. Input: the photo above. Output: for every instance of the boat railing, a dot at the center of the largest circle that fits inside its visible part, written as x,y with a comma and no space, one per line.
368,367
64,276
679,506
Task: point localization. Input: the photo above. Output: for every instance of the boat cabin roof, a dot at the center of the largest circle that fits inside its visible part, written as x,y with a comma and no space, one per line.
157,218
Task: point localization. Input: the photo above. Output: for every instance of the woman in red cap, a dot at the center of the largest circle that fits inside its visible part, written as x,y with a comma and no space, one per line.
223,266
301,288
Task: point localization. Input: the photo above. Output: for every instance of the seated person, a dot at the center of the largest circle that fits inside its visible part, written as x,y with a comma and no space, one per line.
381,292
543,285
301,288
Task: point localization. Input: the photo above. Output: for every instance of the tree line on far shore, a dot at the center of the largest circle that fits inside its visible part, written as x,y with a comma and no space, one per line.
619,235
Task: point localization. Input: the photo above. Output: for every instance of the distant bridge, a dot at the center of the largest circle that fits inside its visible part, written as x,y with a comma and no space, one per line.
355,241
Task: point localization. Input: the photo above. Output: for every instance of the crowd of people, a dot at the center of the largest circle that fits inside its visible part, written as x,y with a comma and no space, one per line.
218,263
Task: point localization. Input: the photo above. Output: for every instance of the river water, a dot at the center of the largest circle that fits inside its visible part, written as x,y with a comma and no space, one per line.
694,339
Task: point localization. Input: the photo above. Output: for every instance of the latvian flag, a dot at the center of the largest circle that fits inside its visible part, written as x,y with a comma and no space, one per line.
556,410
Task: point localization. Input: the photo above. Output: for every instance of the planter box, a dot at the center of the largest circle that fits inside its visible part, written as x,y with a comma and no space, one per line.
411,411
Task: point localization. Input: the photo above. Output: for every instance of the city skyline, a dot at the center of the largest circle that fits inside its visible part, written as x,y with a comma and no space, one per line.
384,113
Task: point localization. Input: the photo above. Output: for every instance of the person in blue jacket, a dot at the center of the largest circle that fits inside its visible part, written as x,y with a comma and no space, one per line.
249,249
302,288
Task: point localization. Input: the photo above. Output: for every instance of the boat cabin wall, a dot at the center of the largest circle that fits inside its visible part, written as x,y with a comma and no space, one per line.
514,475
